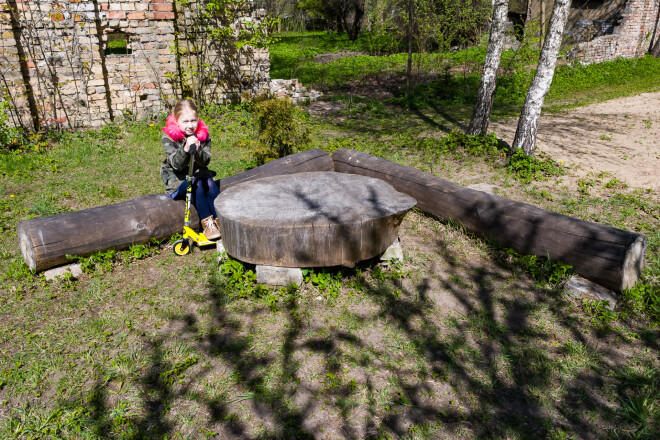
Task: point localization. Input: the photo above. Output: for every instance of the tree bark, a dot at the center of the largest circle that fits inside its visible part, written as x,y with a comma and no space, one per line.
358,15
482,109
654,49
411,4
525,137
611,257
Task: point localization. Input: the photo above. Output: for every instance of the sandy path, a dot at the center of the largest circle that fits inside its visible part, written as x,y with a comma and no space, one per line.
621,136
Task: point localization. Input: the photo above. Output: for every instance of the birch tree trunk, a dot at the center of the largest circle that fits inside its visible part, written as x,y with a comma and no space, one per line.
484,105
525,137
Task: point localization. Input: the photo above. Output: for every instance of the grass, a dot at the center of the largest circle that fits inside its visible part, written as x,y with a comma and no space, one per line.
463,340
450,81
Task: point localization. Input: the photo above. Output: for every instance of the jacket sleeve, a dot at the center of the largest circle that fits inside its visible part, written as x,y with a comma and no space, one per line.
174,155
203,155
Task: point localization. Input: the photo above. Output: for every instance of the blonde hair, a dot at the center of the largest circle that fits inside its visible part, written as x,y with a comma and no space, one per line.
183,105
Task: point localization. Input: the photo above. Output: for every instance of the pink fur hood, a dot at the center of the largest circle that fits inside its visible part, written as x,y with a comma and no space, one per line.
172,130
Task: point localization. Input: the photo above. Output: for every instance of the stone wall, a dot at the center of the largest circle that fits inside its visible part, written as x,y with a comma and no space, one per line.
294,90
83,63
629,39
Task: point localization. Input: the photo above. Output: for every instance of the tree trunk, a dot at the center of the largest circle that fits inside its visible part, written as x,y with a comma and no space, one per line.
484,105
358,15
611,257
654,49
46,241
525,137
411,4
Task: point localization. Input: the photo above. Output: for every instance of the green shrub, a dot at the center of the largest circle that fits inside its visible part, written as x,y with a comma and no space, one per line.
529,168
9,136
280,126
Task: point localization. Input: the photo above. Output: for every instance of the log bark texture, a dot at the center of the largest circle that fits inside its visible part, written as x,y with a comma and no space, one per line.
611,257
528,123
310,160
313,219
45,242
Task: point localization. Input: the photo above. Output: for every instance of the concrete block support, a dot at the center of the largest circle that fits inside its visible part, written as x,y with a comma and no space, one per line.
279,276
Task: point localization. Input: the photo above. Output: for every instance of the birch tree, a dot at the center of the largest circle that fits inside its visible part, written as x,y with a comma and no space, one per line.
484,105
525,137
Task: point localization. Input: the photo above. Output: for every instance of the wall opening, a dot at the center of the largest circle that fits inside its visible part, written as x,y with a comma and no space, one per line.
118,44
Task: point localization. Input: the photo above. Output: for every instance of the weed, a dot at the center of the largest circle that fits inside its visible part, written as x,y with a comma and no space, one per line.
614,183
643,298
544,271
235,281
175,373
327,282
104,261
528,168
584,184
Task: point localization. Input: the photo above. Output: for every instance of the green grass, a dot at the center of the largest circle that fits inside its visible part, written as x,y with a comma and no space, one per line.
458,74
465,339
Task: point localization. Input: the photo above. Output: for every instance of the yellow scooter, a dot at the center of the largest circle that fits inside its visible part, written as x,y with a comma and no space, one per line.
190,237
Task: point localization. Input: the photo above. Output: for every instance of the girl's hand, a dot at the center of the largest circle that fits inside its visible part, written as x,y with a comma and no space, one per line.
191,140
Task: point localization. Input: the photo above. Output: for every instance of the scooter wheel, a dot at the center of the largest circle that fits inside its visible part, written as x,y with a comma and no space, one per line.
181,248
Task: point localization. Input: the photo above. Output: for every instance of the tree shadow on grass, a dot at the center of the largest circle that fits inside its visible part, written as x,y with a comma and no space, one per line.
382,373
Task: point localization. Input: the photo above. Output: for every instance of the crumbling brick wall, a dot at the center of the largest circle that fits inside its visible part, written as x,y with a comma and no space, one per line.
83,63
630,38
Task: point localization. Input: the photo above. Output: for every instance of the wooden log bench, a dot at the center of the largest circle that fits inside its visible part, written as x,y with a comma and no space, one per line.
611,257
46,241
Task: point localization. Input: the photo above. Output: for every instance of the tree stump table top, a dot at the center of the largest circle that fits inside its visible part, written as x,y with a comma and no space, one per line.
311,219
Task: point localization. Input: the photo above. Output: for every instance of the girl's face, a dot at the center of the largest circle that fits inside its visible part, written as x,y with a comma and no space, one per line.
187,122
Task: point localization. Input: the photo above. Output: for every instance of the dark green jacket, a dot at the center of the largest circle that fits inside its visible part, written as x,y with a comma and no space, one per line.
175,166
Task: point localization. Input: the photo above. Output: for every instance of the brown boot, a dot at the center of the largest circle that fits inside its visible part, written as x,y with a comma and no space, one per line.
211,230
217,225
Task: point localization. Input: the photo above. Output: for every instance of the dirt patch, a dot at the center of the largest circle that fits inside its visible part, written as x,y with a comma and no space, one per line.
325,58
619,136
325,107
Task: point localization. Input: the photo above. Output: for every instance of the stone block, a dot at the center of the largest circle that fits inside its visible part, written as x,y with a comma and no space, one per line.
393,253
220,248
579,287
278,276
74,269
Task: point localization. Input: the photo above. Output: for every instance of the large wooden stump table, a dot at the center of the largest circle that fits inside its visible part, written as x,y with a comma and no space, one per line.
311,219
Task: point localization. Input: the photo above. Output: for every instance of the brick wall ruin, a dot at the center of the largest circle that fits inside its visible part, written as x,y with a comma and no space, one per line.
83,63
630,38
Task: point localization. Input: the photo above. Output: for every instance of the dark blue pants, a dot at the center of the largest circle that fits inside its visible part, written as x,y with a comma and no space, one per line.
204,192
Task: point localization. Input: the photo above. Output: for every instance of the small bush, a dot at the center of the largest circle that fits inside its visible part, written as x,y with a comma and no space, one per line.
280,127
477,145
9,136
529,168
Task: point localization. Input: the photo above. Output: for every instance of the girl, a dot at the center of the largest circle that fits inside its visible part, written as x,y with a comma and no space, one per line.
184,130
